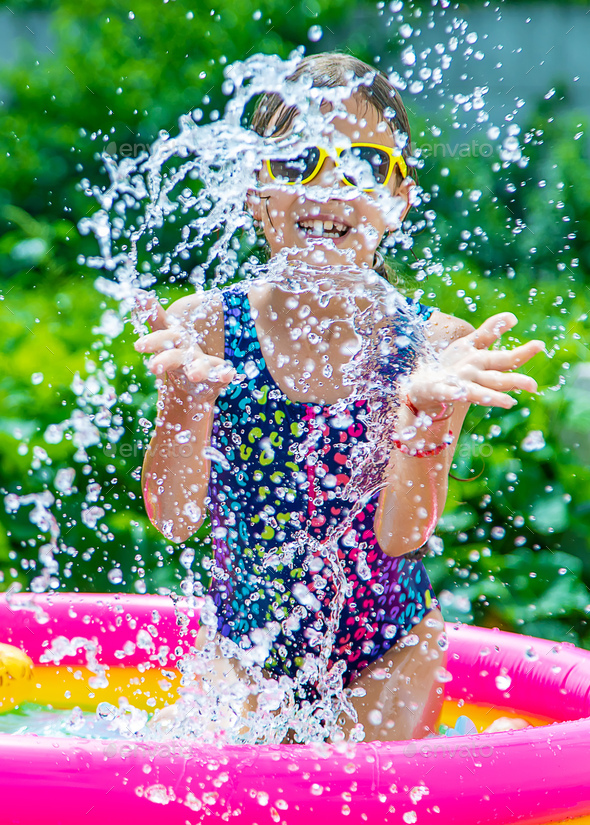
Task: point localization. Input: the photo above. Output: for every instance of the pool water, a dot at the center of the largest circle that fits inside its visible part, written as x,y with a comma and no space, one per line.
41,720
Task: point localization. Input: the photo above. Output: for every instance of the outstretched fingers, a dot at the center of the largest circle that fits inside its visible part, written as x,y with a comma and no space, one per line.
203,367
511,359
167,361
482,387
211,369
485,396
504,381
491,330
148,301
162,339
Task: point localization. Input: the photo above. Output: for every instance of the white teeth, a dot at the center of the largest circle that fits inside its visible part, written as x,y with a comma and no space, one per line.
332,229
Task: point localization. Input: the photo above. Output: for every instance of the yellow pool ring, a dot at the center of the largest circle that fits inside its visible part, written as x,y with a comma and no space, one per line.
16,673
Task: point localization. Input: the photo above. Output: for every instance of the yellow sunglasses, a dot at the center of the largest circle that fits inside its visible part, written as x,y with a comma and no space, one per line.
382,161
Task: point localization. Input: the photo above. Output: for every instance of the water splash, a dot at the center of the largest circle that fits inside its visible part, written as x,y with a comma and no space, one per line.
196,182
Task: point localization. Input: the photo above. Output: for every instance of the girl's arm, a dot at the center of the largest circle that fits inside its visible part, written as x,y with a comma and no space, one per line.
187,341
465,372
414,499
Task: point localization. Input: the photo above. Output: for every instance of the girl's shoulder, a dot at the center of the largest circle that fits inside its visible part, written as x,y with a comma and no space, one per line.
421,311
443,328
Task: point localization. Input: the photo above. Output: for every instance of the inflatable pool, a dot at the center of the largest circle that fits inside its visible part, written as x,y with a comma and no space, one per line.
127,646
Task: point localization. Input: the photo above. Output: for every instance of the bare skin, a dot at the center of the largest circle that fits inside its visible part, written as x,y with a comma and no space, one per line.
298,340
401,686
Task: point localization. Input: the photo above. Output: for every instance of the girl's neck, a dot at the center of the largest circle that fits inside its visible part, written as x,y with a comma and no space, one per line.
329,291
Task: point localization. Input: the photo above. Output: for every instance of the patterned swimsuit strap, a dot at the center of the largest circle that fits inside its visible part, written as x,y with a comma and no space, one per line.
241,340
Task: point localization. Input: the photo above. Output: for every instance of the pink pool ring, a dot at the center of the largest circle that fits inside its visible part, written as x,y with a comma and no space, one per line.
537,775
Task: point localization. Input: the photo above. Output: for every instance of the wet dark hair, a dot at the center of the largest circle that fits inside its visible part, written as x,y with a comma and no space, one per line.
331,70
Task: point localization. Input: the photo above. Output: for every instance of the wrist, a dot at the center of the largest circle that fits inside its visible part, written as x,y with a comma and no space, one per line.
423,433
424,447
431,412
179,385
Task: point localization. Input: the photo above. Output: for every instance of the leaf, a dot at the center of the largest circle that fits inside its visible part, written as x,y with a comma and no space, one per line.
549,514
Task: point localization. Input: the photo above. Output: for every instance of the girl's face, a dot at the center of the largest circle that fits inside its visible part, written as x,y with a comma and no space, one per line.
343,225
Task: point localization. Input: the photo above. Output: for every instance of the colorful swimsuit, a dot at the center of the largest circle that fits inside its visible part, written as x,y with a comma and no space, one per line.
265,489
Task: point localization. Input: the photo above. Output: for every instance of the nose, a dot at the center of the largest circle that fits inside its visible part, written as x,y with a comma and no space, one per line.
328,174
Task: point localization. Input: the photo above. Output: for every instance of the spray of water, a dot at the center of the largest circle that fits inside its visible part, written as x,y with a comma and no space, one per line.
195,186
224,158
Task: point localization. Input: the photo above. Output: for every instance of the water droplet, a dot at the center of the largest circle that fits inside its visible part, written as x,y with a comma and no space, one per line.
214,455
251,369
533,441
503,682
187,557
64,480
315,33
375,717
442,675
305,597
418,792
115,576
91,515
193,511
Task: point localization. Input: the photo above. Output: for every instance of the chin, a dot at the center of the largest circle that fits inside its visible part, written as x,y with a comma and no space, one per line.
328,254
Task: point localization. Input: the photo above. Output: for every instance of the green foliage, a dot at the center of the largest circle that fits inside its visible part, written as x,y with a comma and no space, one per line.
117,79
515,531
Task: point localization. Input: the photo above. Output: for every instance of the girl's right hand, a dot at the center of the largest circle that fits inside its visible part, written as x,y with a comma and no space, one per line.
177,353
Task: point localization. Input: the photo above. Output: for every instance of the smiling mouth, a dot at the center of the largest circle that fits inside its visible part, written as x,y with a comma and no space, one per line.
318,228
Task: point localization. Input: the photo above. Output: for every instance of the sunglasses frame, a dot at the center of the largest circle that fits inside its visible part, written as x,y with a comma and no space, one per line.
394,160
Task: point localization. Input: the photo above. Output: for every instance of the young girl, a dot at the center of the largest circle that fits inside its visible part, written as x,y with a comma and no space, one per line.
258,376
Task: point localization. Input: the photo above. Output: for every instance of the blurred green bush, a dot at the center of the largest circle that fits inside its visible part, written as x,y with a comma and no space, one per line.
515,530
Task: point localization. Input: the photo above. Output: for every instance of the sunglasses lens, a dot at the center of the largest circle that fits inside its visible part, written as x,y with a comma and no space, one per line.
295,170
378,163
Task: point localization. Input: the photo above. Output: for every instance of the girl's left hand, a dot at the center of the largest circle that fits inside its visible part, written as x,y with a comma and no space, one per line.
467,371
